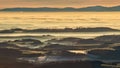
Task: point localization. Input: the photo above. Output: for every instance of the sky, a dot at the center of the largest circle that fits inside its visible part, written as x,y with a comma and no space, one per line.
57,3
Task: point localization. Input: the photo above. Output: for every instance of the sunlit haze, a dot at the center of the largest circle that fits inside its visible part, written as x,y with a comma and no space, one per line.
56,3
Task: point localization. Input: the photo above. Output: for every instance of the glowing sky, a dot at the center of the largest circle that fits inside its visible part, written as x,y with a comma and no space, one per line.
56,3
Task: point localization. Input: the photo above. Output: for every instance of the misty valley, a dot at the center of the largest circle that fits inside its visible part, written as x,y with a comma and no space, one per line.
59,40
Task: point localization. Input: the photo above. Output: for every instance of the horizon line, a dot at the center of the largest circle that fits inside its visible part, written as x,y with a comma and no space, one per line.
62,7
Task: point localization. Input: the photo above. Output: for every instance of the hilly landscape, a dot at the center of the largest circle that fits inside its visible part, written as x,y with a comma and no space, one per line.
91,8
96,29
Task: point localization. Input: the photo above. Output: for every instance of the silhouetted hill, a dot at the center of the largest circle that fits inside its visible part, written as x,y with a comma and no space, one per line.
97,29
57,47
106,54
94,8
91,8
109,38
116,8
39,9
75,42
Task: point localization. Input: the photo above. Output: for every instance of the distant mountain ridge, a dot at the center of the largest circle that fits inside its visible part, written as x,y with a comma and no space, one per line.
91,8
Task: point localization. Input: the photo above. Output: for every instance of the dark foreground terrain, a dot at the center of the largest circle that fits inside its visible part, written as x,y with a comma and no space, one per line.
102,52
77,64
